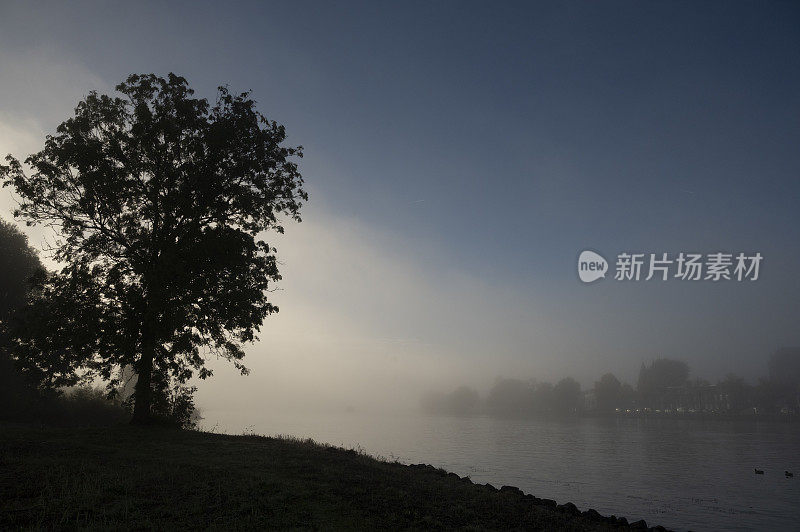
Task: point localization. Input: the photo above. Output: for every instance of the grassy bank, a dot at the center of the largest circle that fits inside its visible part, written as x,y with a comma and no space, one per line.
129,477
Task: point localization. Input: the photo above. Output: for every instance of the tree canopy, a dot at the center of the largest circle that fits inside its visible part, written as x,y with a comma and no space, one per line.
608,393
162,200
662,373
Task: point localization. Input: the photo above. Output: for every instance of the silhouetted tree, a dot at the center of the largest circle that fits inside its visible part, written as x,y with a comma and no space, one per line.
19,266
662,373
161,199
608,393
511,397
628,396
567,397
543,397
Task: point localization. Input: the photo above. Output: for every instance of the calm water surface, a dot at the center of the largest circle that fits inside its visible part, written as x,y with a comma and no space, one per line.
683,474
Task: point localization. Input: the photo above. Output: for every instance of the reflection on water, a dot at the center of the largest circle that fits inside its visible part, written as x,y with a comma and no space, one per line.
683,474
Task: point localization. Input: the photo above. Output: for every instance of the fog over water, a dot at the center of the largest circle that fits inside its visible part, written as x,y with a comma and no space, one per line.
682,474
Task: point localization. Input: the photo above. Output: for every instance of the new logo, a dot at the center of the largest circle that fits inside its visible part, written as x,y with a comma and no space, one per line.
591,266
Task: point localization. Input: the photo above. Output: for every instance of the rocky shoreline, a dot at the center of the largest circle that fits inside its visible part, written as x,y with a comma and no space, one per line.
568,509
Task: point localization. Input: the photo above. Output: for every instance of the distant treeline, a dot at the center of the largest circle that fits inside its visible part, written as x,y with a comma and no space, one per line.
663,387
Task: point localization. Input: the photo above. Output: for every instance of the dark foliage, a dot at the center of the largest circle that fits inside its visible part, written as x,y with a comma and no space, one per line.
76,407
19,267
514,397
19,263
662,373
608,393
567,396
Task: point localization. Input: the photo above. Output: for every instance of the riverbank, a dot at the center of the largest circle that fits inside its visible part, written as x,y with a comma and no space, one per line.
132,478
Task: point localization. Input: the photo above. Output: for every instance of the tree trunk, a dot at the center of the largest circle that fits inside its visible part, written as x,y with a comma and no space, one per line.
144,369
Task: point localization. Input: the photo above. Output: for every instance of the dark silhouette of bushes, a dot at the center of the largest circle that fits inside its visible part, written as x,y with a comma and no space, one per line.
567,396
86,407
76,407
515,397
510,398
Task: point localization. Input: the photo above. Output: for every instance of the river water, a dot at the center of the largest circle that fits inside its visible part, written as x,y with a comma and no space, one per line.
682,474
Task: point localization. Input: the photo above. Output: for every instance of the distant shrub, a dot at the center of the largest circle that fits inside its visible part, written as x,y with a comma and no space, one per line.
175,406
75,407
87,406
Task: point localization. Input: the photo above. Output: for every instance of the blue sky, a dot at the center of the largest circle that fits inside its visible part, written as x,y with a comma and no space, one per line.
490,144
